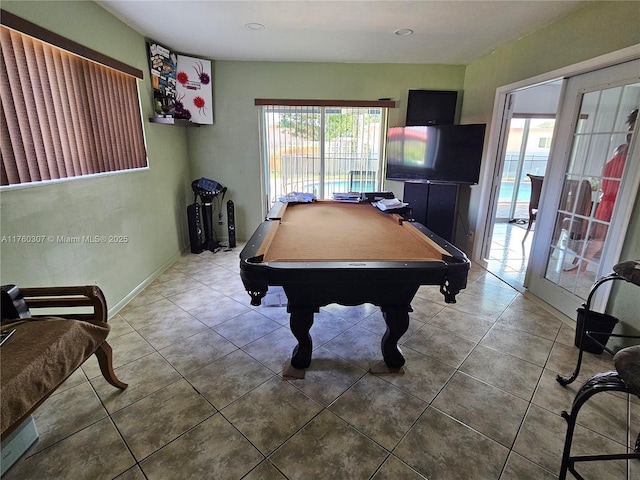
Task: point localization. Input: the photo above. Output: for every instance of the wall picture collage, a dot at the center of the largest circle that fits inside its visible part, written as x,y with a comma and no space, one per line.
182,85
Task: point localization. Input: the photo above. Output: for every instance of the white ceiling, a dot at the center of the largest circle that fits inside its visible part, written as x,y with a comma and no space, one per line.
448,32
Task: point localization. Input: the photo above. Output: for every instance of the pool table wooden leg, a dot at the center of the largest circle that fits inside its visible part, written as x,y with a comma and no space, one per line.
301,321
397,320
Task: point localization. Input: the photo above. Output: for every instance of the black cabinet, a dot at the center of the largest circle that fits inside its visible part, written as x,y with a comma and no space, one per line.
434,205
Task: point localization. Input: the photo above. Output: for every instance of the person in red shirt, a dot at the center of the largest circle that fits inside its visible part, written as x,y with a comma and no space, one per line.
611,174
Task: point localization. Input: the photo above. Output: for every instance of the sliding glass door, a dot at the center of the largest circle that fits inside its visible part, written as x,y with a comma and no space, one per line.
322,150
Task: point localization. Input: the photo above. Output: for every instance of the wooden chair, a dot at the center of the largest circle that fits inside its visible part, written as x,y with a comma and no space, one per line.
45,349
534,200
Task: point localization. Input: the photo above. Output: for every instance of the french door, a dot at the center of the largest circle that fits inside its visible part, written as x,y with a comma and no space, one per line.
590,188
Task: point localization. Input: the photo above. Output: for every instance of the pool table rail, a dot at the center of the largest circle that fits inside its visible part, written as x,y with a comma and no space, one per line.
350,282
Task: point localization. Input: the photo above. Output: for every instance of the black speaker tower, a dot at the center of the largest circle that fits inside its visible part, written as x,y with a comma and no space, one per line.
195,229
231,224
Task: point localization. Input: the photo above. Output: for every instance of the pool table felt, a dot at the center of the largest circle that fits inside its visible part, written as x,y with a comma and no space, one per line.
335,231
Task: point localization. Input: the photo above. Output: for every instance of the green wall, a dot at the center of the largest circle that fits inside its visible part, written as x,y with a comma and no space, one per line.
149,206
146,206
597,29
229,151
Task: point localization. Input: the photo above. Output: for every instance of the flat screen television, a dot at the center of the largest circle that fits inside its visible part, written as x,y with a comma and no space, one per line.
438,153
431,107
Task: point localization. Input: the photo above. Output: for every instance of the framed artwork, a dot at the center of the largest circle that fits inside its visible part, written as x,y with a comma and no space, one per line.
194,99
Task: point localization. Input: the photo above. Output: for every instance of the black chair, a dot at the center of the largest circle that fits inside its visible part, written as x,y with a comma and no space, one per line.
534,200
625,378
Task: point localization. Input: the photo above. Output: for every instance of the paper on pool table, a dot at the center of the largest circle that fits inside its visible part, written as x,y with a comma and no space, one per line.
389,204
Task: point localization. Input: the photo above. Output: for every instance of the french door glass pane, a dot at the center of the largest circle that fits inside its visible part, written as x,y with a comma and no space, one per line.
527,151
595,169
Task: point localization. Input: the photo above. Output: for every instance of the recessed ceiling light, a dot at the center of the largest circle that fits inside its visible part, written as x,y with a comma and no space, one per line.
403,32
254,26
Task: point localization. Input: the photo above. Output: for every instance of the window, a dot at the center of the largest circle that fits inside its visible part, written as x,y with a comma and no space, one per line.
62,114
544,142
322,147
528,144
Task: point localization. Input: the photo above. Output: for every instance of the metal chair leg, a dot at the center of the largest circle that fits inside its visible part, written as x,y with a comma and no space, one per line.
566,380
602,382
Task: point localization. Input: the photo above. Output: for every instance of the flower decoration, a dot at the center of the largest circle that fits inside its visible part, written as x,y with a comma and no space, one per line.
181,112
200,103
202,75
182,77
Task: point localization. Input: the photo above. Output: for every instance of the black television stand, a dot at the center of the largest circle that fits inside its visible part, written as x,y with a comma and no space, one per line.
434,205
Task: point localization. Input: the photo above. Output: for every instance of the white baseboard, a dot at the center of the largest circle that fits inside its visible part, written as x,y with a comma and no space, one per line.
142,285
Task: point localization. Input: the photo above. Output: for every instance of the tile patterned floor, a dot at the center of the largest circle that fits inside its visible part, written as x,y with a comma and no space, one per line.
508,256
478,399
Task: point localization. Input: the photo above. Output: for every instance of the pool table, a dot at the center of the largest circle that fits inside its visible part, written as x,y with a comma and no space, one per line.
348,253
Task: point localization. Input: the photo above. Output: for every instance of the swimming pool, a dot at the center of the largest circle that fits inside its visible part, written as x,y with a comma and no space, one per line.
343,186
506,191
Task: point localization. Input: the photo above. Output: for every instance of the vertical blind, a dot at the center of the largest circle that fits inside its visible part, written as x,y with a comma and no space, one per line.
62,115
322,148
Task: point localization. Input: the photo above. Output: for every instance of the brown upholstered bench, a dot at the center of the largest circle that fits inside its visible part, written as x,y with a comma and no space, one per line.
44,350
